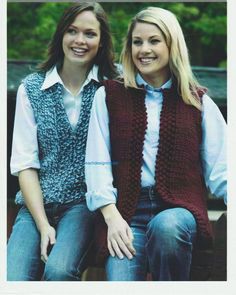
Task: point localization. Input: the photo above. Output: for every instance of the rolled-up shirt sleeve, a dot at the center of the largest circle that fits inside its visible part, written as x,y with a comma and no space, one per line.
24,143
213,149
98,165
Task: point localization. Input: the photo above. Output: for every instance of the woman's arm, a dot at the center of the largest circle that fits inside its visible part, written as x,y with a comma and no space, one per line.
98,172
119,234
30,188
24,143
213,150
98,166
25,162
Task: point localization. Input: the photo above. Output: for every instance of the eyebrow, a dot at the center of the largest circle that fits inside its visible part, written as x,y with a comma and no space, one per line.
72,26
154,36
87,29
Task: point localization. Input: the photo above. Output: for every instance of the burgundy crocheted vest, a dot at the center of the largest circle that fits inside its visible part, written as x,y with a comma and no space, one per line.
178,173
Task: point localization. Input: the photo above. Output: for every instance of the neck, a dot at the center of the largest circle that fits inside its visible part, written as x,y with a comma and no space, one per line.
73,77
157,81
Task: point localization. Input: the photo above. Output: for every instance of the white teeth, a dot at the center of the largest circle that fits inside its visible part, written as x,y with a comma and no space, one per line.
147,59
79,50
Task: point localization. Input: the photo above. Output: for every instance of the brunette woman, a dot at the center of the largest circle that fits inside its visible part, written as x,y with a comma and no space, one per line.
50,132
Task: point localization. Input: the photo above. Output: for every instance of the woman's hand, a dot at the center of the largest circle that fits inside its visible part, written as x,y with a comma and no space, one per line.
119,236
31,190
48,238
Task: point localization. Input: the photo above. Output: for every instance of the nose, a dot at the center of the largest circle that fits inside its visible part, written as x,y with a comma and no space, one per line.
80,38
145,48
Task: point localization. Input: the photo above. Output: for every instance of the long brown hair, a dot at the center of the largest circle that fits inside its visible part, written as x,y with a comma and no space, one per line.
105,56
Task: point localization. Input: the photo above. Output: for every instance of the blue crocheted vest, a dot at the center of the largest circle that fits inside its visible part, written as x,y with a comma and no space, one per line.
61,148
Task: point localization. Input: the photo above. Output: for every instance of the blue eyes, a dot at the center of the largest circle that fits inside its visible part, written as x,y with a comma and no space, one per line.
155,41
91,34
71,31
140,42
88,34
137,42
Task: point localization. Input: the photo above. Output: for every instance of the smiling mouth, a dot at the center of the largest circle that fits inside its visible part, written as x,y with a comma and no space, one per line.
79,51
146,60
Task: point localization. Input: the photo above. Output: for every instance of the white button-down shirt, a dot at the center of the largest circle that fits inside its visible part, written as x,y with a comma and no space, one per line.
25,144
98,170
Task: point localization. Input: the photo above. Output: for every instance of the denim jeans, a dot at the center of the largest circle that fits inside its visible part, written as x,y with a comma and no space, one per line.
74,232
163,239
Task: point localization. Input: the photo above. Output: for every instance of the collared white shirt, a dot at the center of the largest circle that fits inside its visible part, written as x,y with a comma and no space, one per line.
98,169
25,145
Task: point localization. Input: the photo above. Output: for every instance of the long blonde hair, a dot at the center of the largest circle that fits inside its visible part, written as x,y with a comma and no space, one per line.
179,63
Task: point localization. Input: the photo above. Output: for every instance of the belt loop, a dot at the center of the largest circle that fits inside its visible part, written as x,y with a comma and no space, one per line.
152,193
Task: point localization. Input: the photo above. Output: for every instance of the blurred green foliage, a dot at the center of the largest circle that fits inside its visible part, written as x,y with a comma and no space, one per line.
31,26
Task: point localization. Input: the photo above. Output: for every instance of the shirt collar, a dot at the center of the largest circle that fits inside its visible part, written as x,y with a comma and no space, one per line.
140,81
92,75
52,77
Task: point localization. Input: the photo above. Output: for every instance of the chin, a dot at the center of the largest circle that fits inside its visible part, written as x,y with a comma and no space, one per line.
146,73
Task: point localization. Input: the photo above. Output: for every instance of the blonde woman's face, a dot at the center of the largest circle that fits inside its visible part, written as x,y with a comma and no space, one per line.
150,54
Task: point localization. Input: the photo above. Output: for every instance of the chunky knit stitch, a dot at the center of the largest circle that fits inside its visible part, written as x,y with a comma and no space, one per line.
61,148
178,173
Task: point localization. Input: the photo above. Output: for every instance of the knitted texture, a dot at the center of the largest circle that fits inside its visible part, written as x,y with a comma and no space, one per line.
61,148
178,173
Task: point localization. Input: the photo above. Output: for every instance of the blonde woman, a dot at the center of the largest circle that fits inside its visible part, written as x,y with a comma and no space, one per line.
160,145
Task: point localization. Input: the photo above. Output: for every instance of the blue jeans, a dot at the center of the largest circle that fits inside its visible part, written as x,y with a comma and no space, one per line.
163,239
74,232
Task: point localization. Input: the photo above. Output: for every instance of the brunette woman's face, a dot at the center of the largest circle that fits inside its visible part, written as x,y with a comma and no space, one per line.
150,53
81,41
